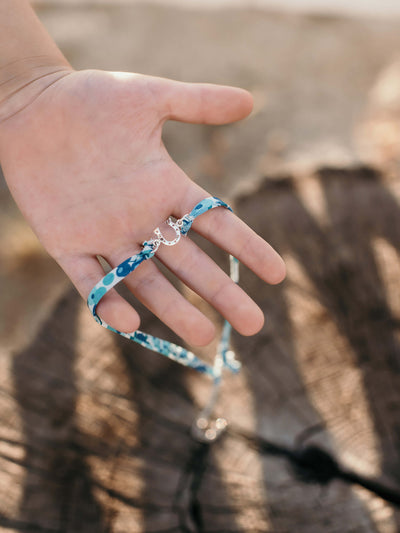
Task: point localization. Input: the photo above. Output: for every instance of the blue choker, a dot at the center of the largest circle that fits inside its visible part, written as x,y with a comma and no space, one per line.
203,429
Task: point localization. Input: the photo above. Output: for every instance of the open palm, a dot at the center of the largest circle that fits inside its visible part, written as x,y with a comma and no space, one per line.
86,164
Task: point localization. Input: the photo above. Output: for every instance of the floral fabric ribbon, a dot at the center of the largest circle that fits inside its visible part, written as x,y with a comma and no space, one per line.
224,356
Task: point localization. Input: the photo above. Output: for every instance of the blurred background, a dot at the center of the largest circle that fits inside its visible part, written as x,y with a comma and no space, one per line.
93,432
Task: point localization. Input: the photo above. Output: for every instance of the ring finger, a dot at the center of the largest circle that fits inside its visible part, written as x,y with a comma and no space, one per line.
153,289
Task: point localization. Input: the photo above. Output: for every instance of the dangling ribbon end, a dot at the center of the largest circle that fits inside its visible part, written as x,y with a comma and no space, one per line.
230,361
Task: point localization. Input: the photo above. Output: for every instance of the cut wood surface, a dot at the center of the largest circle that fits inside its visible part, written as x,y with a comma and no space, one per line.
95,431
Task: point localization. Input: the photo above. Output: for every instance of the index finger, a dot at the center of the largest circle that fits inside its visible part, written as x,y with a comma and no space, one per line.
223,228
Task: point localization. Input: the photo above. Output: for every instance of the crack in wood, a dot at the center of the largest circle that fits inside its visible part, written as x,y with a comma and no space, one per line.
186,500
312,464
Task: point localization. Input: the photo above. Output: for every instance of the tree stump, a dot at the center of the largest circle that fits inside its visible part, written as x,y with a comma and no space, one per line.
95,431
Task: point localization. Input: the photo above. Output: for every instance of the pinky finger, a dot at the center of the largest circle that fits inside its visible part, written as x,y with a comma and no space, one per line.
85,272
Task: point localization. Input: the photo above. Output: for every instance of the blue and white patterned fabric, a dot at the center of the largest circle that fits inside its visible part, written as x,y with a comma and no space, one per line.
224,357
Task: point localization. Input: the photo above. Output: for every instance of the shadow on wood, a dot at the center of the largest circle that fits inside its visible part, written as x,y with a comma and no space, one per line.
104,442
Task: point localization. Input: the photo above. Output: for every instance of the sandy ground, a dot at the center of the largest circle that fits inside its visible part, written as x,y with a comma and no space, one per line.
372,8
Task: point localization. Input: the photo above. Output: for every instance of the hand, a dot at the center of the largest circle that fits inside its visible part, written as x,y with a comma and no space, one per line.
86,164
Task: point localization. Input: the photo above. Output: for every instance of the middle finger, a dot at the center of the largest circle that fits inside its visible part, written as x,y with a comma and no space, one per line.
199,272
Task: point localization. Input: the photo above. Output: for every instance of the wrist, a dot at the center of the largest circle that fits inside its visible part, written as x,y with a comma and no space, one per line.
23,80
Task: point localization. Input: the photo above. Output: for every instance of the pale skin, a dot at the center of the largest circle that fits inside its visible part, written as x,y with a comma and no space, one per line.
83,157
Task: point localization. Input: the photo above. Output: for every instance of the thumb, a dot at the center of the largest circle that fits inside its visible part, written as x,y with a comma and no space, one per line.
205,103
